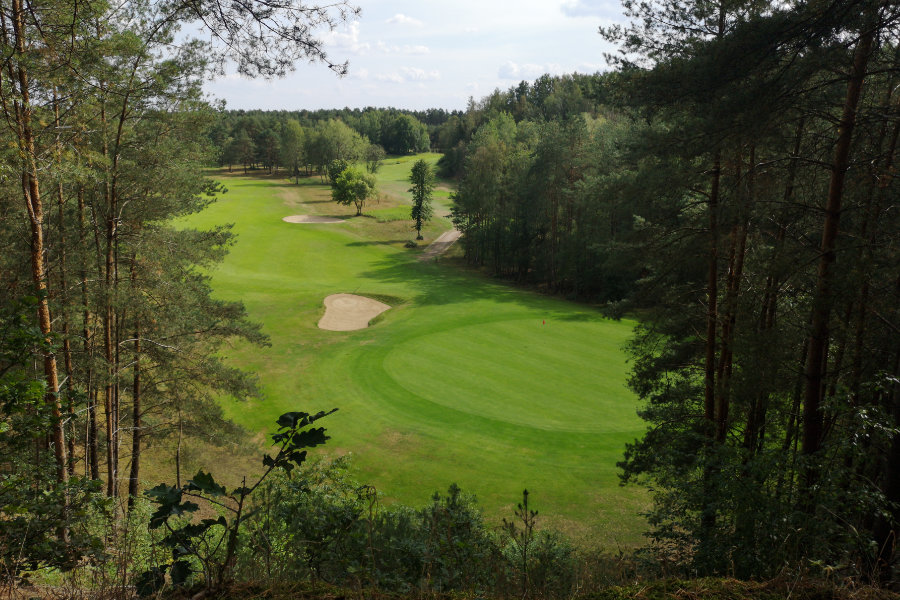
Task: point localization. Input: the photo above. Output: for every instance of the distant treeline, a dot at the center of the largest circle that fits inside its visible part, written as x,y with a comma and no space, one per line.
284,138
304,140
521,214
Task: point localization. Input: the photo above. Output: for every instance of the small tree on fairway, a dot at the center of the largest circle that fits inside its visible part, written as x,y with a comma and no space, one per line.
335,168
353,186
422,180
374,157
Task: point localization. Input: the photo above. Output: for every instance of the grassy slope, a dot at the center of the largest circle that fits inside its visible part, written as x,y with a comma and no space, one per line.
465,380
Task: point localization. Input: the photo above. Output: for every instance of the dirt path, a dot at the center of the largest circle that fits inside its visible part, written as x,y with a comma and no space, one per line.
440,245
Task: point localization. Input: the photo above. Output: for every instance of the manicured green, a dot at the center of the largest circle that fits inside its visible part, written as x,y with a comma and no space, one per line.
464,380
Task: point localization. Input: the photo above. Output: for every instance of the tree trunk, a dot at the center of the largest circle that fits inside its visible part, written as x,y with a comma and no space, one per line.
31,193
712,294
108,321
64,299
93,450
818,339
733,290
133,480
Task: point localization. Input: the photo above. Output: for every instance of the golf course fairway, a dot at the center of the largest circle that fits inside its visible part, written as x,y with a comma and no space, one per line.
464,379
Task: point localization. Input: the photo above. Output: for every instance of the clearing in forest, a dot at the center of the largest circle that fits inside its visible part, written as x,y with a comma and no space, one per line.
465,380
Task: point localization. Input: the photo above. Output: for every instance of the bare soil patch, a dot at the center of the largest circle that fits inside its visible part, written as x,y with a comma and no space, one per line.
348,312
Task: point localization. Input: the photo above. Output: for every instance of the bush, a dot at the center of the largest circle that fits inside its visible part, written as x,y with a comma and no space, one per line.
321,525
307,526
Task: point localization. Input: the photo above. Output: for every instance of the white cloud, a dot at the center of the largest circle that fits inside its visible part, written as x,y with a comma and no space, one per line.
390,78
347,40
586,67
405,49
408,75
361,74
591,8
401,19
414,74
510,70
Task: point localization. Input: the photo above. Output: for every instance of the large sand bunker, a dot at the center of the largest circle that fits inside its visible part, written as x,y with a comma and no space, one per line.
346,312
311,219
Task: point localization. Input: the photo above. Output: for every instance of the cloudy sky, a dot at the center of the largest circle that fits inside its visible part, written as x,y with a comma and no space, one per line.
429,53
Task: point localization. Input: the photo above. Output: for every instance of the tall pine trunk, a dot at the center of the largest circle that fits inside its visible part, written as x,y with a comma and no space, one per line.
817,351
136,432
93,448
31,193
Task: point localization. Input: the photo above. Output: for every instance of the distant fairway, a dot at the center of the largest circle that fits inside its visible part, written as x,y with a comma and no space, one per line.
464,380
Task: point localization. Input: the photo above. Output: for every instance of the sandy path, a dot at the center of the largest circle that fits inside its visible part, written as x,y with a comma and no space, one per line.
311,219
440,245
346,312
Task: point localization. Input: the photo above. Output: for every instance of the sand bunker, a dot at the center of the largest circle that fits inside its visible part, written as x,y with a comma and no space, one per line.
311,219
346,312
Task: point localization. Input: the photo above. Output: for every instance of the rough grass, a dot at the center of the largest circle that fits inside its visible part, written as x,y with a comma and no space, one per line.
732,589
464,380
669,589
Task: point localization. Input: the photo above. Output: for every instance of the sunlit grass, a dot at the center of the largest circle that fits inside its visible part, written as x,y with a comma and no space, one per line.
465,380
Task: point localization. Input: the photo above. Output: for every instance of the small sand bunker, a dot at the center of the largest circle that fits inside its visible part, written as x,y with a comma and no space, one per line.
346,312
311,219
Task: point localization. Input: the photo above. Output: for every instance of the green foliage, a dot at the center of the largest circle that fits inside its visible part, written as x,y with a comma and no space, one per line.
469,334
352,186
404,134
43,520
452,162
458,552
335,168
422,180
307,526
334,140
321,525
541,202
540,563
521,534
761,440
213,543
374,158
293,150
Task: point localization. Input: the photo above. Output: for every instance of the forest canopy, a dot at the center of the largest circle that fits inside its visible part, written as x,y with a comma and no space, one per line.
730,183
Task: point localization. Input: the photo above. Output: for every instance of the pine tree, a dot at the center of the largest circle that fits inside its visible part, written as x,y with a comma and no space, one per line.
422,180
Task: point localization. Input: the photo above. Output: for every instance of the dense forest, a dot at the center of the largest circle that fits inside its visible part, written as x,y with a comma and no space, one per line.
735,188
309,141
730,183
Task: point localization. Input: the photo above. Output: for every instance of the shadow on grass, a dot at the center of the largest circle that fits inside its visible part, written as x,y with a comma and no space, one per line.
444,284
376,243
274,180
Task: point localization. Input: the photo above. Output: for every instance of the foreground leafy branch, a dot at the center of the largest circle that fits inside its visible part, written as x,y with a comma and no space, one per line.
213,542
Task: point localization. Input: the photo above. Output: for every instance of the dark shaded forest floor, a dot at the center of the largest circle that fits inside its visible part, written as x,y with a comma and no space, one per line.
669,589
